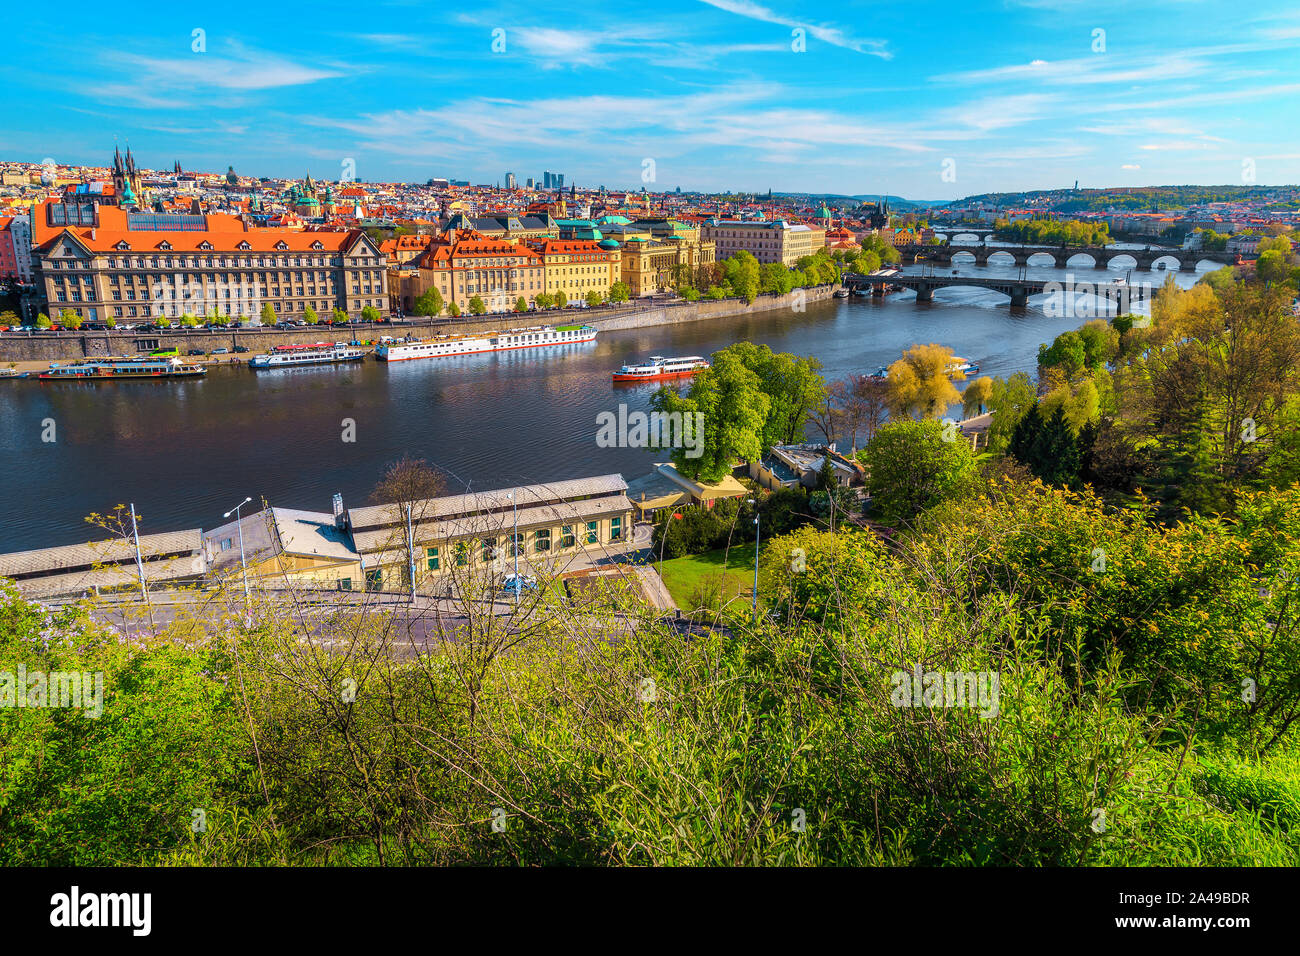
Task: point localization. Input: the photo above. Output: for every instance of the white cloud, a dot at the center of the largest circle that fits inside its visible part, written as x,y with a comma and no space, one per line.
826,32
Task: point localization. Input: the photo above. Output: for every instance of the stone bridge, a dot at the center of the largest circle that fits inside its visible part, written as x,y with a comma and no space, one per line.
1101,256
1019,290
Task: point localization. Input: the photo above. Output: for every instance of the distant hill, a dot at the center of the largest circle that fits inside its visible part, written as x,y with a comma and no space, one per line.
840,199
1148,198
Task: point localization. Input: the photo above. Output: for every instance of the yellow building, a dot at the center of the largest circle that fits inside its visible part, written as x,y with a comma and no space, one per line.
285,547
654,265
547,526
578,266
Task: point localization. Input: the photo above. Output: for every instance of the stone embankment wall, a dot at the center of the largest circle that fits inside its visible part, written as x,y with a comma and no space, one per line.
63,346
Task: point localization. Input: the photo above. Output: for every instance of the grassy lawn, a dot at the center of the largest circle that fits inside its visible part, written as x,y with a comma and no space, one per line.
683,576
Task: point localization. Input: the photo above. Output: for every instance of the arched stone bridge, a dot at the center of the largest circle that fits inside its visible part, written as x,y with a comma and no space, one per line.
1019,290
1101,256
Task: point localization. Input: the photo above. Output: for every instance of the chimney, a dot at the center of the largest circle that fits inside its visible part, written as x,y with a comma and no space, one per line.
340,518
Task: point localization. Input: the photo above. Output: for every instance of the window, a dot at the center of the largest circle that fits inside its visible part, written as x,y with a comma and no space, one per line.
462,554
431,558
616,528
542,540
345,584
375,579
593,532
227,544
489,549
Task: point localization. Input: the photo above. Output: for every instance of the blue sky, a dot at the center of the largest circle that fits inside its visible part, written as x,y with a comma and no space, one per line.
929,101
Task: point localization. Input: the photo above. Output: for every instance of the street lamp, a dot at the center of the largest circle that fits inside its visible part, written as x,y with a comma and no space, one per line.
514,545
242,563
757,532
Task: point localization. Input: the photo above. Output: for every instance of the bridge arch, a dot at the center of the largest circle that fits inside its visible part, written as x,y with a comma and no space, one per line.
1002,255
1040,256
1094,261
1124,260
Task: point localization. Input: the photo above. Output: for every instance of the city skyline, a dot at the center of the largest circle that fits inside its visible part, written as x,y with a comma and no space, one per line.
708,96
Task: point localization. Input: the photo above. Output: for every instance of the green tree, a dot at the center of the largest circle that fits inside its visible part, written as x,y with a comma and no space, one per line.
268,314
561,299
912,466
429,303
340,317
43,321
310,316
1010,400
521,305
619,292
69,319
476,306
544,300
371,314
453,309
734,411
594,299
1047,448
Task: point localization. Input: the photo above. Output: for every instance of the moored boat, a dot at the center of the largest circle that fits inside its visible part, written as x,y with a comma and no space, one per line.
661,369
286,356
472,343
117,369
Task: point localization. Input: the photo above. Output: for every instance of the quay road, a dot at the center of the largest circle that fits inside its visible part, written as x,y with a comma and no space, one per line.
415,627
1018,289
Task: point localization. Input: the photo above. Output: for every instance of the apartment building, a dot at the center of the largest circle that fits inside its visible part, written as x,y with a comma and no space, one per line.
775,241
462,266
106,262
15,248
577,266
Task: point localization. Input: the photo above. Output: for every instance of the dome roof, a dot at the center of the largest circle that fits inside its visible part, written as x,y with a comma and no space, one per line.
824,213
614,221
609,243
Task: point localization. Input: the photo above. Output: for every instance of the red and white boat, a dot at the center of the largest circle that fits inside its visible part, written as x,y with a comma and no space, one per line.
660,369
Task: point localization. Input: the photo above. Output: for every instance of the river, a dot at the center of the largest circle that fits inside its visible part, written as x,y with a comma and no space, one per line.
185,451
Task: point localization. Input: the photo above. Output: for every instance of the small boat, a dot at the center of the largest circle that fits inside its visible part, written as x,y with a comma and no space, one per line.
959,366
841,293
880,373
116,369
13,373
659,369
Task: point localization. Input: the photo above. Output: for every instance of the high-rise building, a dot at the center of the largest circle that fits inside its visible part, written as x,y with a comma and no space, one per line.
559,180
548,179
511,182
530,182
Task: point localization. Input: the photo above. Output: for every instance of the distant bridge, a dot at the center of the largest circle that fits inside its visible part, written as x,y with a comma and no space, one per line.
1019,290
1101,256
942,230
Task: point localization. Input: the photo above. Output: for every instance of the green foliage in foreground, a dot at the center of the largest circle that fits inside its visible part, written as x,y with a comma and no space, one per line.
1120,691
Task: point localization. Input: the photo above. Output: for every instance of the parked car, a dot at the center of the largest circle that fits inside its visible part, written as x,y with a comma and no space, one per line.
241,348
221,351
195,352
518,583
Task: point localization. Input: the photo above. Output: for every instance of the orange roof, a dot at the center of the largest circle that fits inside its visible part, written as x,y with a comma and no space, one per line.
553,247
256,240
444,252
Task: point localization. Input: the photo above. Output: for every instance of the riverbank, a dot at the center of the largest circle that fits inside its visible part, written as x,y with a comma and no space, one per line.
34,351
